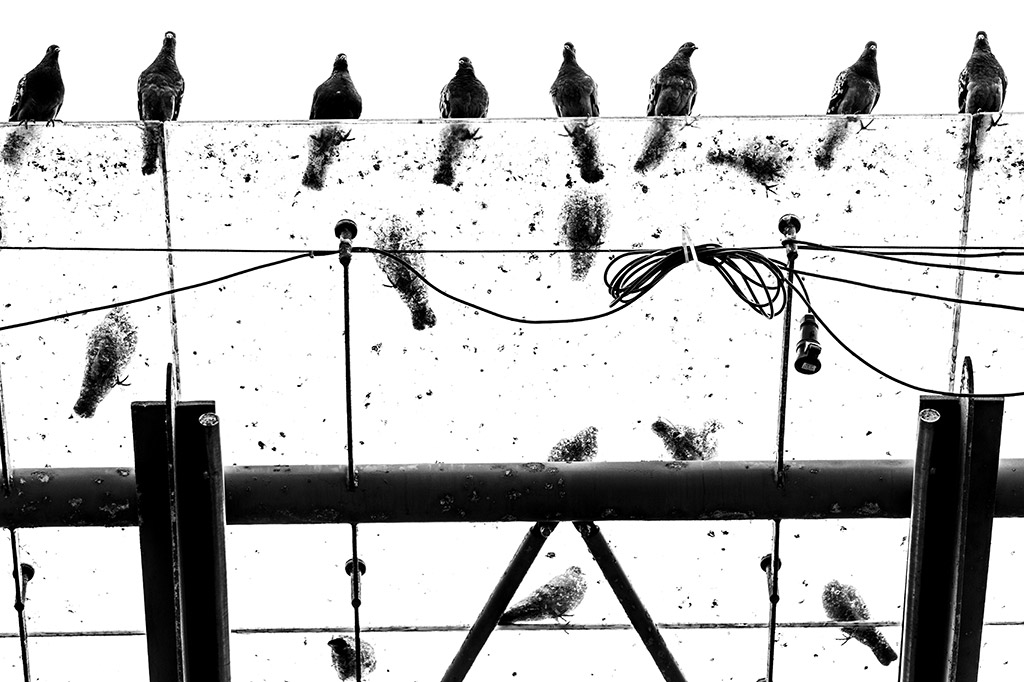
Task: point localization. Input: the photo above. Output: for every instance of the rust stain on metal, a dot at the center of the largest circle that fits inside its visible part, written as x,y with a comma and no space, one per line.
869,509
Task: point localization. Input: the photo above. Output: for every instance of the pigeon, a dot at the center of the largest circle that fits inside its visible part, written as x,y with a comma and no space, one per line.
343,656
161,86
573,92
983,81
674,89
337,97
842,603
110,349
857,89
554,599
40,93
464,96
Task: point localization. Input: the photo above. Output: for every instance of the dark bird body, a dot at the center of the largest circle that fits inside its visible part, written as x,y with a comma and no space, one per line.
983,81
843,604
574,92
857,90
674,89
40,93
161,86
337,97
464,96
554,599
343,656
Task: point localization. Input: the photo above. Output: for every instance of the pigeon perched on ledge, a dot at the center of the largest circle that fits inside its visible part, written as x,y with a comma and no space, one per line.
674,89
574,92
337,97
856,90
40,93
983,81
161,86
464,96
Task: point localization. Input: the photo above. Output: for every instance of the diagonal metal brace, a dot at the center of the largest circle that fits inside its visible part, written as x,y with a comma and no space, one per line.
498,601
630,600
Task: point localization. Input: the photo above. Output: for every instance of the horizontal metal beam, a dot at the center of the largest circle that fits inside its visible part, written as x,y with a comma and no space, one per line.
581,491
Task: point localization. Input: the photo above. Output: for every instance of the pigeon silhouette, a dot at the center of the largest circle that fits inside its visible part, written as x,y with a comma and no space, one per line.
554,599
842,603
464,96
337,97
983,81
40,92
574,93
856,90
161,86
674,89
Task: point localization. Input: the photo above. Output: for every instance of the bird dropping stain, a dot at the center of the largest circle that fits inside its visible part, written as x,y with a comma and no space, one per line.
584,225
580,448
323,146
16,143
109,350
152,137
584,146
398,236
657,143
454,139
343,656
765,160
834,138
686,444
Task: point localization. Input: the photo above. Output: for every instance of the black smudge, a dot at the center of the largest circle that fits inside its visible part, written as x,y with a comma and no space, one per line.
398,236
657,143
584,146
834,138
765,160
584,226
322,149
15,145
454,139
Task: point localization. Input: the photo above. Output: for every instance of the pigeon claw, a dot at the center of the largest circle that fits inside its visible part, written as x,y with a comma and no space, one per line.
769,189
996,121
346,136
865,126
691,122
123,381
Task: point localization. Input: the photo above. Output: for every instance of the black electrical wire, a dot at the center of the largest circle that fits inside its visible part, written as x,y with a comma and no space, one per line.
307,254
860,358
907,261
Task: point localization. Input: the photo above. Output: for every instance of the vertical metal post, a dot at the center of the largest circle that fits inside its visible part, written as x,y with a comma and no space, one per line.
630,600
951,530
498,601
199,501
156,540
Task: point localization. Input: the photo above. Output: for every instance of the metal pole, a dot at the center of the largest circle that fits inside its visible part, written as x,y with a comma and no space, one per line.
630,600
503,492
199,501
498,601
789,225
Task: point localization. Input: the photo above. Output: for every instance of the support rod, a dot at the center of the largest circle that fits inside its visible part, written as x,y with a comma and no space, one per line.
498,601
630,600
951,532
199,503
474,493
